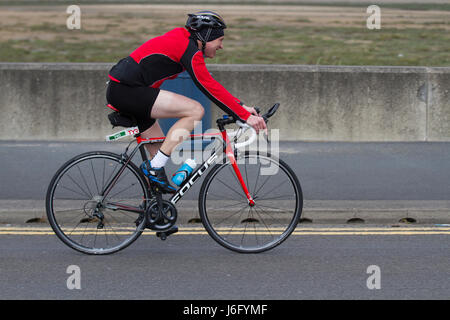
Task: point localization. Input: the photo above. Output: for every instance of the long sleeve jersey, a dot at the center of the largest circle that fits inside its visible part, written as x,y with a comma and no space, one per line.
165,57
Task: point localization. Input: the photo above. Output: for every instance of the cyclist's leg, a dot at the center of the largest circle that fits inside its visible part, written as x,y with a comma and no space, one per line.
172,105
154,131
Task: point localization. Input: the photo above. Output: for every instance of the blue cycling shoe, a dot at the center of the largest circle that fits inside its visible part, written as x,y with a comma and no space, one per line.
157,176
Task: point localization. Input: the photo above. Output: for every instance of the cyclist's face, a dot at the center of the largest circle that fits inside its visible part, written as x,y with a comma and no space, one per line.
212,47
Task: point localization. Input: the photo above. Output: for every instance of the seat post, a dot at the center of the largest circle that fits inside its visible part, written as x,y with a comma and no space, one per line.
141,147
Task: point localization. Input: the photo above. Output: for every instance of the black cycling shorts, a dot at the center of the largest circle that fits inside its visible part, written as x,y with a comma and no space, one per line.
135,101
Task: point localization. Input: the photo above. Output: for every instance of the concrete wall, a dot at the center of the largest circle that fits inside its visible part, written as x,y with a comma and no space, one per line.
53,101
318,103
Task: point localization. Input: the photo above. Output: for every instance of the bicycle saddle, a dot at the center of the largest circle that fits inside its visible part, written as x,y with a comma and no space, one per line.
119,119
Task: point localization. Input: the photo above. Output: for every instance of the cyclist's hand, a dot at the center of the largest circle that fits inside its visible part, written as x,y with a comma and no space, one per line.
251,110
257,123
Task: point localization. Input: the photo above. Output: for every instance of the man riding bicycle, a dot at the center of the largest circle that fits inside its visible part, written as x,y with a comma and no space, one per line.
135,80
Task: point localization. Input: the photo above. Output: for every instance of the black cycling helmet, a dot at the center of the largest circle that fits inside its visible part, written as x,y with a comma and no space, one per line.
205,19
205,26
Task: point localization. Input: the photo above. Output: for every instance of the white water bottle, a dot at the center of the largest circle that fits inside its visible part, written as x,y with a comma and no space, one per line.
184,171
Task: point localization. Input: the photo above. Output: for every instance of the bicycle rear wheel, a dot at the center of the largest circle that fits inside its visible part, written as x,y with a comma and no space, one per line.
82,217
236,225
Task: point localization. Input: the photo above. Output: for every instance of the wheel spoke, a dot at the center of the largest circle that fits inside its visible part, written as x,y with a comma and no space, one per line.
233,214
95,179
272,188
237,221
268,229
239,194
257,178
84,180
245,229
82,190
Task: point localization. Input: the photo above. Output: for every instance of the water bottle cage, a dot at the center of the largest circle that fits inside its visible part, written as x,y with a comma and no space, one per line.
181,171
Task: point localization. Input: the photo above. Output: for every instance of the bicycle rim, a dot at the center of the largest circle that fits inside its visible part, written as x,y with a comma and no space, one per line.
81,217
234,224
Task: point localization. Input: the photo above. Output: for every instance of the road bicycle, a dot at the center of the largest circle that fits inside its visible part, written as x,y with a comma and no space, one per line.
250,201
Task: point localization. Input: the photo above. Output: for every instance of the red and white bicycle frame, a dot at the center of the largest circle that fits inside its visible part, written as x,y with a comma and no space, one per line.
227,147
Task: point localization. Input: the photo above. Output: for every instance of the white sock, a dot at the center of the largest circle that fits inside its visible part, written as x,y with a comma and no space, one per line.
159,160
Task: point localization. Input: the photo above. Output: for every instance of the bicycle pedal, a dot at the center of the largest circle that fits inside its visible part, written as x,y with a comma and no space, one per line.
164,234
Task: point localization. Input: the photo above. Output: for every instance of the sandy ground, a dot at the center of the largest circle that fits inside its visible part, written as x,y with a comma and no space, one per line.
45,22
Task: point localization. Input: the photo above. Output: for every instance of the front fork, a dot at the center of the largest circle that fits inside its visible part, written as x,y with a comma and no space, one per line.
232,157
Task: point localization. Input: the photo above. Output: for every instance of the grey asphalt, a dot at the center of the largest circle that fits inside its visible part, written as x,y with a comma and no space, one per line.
339,180
195,267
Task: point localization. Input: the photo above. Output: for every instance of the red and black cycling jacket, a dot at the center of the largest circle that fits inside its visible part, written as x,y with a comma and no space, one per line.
165,57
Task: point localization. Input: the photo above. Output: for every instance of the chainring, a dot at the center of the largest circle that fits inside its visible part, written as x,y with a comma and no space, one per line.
160,221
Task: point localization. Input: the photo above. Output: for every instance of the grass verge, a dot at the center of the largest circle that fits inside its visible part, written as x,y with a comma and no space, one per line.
252,45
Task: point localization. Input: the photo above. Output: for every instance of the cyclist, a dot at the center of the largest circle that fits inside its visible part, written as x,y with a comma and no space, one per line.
135,80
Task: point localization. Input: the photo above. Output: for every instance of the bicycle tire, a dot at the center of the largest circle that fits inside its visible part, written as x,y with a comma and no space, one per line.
215,224
62,221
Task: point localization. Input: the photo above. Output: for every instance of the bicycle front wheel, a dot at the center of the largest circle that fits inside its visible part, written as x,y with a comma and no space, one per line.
86,220
227,215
